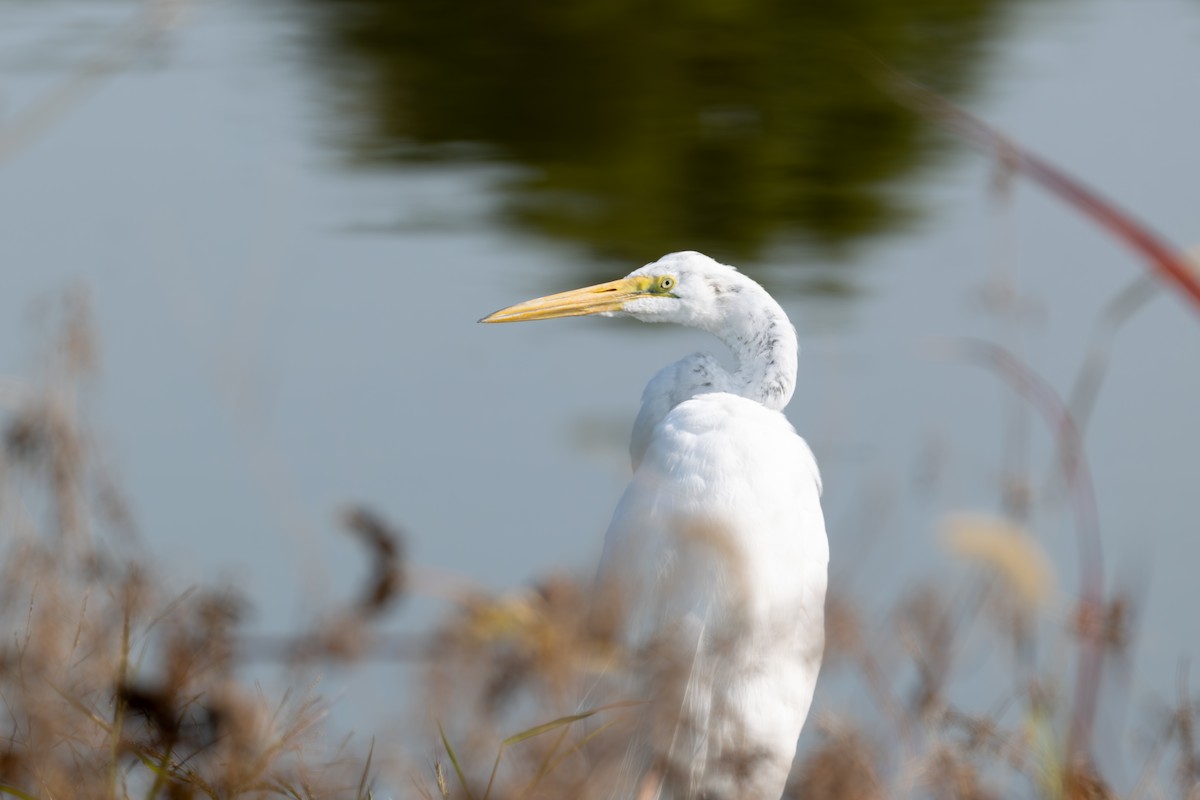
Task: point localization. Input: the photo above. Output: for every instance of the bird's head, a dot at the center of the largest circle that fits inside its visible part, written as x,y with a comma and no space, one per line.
687,288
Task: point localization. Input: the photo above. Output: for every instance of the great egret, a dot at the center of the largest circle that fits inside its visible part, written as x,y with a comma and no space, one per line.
717,550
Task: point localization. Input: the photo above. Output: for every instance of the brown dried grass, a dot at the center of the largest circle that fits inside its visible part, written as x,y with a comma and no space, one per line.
114,685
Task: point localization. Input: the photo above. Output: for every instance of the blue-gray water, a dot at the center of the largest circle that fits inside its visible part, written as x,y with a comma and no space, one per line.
285,329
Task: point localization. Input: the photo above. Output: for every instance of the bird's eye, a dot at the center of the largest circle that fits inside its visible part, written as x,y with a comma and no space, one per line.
666,283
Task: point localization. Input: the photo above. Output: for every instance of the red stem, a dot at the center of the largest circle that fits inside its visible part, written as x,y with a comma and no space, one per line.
1161,256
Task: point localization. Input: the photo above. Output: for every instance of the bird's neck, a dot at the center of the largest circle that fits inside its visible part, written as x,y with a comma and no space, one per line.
763,341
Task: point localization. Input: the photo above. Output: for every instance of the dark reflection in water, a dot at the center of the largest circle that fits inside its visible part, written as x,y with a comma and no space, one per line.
650,127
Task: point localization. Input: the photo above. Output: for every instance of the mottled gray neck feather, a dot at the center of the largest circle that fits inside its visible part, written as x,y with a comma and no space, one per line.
762,339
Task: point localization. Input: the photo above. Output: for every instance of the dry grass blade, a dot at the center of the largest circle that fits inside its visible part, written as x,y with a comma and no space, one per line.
439,773
538,730
544,767
13,791
1183,728
366,771
544,770
161,774
458,770
545,727
1130,300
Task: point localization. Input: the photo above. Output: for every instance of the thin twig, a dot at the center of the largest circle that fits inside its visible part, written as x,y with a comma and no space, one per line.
1078,479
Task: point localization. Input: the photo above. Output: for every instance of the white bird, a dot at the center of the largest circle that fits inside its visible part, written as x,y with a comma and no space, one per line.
717,551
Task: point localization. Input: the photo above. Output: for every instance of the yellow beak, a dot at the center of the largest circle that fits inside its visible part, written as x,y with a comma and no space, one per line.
611,296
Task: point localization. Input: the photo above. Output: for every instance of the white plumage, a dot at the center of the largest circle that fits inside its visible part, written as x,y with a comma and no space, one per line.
717,552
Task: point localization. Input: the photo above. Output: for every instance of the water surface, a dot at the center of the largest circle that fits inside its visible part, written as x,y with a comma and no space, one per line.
289,225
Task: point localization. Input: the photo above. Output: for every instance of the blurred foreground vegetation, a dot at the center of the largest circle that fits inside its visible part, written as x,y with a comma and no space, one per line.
117,684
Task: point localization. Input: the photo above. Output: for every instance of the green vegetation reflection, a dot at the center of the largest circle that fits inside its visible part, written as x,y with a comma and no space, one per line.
647,127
